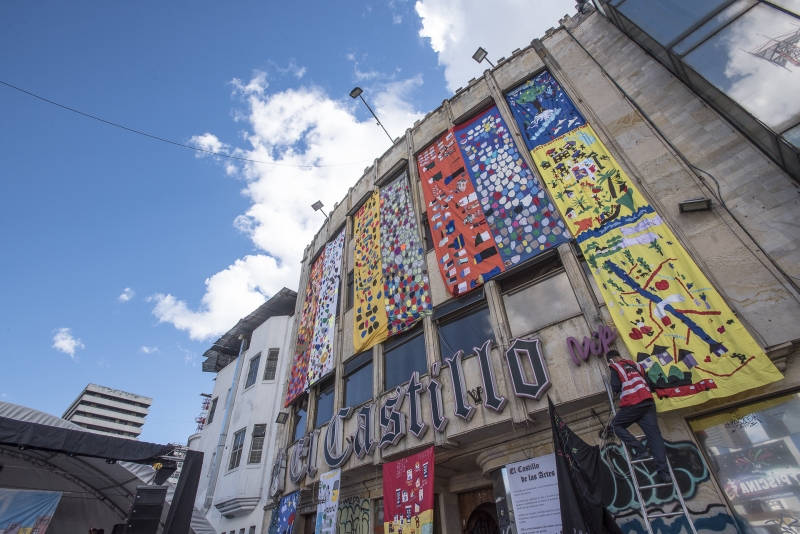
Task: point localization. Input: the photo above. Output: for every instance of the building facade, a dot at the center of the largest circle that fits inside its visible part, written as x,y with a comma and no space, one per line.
109,411
628,180
239,427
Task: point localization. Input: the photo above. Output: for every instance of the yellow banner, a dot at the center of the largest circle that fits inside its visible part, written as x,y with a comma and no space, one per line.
370,322
670,317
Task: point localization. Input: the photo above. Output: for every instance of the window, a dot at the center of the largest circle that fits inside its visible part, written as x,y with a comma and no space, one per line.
351,294
257,444
252,530
212,410
300,419
465,330
539,296
666,20
752,450
324,403
358,379
236,449
426,226
404,354
272,364
252,371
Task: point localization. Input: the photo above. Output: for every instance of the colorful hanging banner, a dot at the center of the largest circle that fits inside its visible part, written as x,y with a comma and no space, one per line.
671,318
486,210
320,359
287,510
328,502
24,511
315,331
369,323
408,494
405,276
392,289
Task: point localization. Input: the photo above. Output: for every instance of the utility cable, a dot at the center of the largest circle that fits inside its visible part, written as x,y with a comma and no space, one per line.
792,280
198,149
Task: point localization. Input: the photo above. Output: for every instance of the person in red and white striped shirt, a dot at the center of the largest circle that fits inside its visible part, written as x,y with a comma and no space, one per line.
636,405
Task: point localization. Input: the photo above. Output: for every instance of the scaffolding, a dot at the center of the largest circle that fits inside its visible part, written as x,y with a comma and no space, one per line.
781,50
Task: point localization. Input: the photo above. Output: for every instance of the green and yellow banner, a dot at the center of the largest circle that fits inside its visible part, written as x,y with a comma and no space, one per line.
672,320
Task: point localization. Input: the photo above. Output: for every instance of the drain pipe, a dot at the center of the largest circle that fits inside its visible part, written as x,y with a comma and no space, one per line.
223,434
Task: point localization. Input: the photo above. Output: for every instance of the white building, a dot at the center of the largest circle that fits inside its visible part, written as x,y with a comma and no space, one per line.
247,397
110,411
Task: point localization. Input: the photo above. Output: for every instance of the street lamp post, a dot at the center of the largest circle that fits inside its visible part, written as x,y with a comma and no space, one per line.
356,93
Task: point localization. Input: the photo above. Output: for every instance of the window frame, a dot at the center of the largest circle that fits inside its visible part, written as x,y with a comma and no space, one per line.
393,344
302,404
353,365
270,353
259,432
325,387
351,290
252,372
236,449
211,411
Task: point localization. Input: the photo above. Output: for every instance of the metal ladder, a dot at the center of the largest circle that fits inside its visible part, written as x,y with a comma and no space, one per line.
648,517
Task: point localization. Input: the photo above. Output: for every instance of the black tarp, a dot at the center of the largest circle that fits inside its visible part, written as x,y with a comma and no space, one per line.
28,435
579,471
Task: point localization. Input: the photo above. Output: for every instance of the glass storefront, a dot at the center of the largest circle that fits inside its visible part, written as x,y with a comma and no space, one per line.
754,450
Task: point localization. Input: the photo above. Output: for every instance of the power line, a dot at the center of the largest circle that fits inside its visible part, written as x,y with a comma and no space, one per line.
167,140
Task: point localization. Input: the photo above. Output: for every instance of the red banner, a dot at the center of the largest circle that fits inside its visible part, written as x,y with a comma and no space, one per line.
408,494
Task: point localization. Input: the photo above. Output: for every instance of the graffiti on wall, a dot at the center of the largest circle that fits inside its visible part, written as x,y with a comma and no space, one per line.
690,472
354,515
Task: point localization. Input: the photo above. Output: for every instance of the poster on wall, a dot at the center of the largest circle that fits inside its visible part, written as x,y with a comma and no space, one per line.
27,511
328,502
671,318
287,509
534,495
487,211
408,494
391,285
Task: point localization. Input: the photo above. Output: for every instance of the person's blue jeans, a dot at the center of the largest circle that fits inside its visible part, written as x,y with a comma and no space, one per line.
645,416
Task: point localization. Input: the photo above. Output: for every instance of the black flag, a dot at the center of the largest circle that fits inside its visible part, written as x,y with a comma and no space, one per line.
580,488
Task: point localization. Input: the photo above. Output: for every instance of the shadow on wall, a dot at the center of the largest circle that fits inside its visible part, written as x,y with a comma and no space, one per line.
690,471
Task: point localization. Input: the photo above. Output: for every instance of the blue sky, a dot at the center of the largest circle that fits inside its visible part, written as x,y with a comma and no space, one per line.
90,210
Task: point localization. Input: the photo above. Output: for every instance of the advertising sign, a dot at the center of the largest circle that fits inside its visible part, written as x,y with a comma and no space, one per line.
763,472
408,494
534,495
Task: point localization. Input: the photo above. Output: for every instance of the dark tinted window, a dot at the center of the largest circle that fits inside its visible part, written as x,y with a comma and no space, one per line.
358,379
300,421
212,410
252,371
466,331
324,404
666,20
403,356
350,289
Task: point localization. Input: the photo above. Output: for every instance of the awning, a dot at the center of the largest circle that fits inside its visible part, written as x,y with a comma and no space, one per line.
226,349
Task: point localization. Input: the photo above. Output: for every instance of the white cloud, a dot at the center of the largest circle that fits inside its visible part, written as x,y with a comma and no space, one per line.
149,350
456,28
208,142
64,341
397,19
127,294
301,126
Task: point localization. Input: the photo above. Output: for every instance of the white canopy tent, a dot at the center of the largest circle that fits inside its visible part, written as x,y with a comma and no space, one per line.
96,493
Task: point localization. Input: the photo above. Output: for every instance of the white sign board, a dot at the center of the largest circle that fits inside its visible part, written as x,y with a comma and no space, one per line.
534,495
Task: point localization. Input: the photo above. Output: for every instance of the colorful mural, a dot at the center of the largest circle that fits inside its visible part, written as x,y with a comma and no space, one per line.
313,356
369,323
671,318
408,494
320,360
287,510
354,515
405,276
392,289
487,211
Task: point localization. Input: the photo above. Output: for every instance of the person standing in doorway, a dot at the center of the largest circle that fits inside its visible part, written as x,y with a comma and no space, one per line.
636,405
